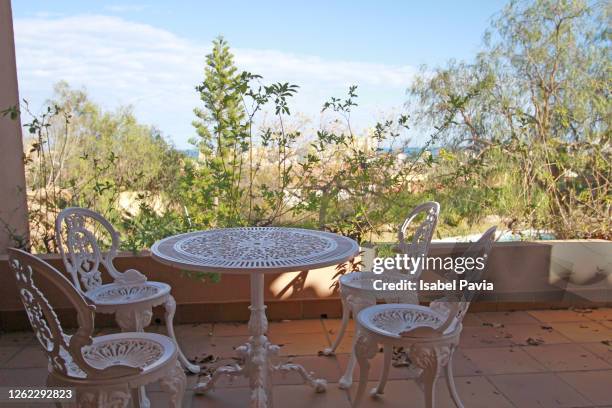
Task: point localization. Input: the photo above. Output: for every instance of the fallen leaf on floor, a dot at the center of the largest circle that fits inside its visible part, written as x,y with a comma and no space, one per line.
534,342
581,310
208,359
494,325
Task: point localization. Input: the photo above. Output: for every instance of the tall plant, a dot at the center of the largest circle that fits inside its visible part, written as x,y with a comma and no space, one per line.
223,136
267,171
78,154
530,130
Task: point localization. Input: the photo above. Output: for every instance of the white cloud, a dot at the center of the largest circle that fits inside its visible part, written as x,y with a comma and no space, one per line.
123,62
125,8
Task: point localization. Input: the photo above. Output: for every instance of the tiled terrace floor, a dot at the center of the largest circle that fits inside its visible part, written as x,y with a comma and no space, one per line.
497,365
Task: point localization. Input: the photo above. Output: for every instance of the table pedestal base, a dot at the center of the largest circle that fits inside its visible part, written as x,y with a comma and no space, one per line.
258,355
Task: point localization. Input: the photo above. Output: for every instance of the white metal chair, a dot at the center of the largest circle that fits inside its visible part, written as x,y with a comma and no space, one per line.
130,297
357,288
429,334
106,370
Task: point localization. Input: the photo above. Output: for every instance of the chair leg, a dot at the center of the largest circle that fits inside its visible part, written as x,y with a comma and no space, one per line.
174,384
170,307
101,397
429,382
346,316
364,369
384,375
429,359
450,381
50,384
143,400
356,306
135,320
135,397
364,350
347,378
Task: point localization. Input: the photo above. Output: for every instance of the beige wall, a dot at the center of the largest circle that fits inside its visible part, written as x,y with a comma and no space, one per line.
13,208
521,272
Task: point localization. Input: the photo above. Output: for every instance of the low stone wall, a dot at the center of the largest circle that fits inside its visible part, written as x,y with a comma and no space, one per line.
525,275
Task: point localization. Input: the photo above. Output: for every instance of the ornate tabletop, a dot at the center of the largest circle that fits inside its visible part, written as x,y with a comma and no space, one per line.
255,249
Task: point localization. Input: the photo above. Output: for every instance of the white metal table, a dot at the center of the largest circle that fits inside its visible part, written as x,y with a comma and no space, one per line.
256,251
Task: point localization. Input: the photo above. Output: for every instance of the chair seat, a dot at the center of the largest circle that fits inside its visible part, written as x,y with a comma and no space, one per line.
148,351
113,294
391,320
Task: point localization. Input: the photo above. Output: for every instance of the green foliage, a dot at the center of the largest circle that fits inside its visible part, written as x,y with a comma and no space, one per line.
274,173
142,229
219,125
78,155
524,130
223,136
385,250
529,138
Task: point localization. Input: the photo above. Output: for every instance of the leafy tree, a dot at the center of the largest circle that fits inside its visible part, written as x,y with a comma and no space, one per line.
223,135
530,119
524,128
276,173
78,154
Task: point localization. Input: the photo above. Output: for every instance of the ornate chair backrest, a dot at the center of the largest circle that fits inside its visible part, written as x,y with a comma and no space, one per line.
479,249
81,250
458,302
418,247
62,350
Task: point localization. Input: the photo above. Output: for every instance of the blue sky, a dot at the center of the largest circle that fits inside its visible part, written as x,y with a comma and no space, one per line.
150,54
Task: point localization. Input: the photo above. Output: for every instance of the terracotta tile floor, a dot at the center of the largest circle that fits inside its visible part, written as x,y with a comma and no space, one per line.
497,364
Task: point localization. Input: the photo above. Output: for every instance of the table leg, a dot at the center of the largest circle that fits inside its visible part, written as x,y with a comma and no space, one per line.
258,355
259,365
